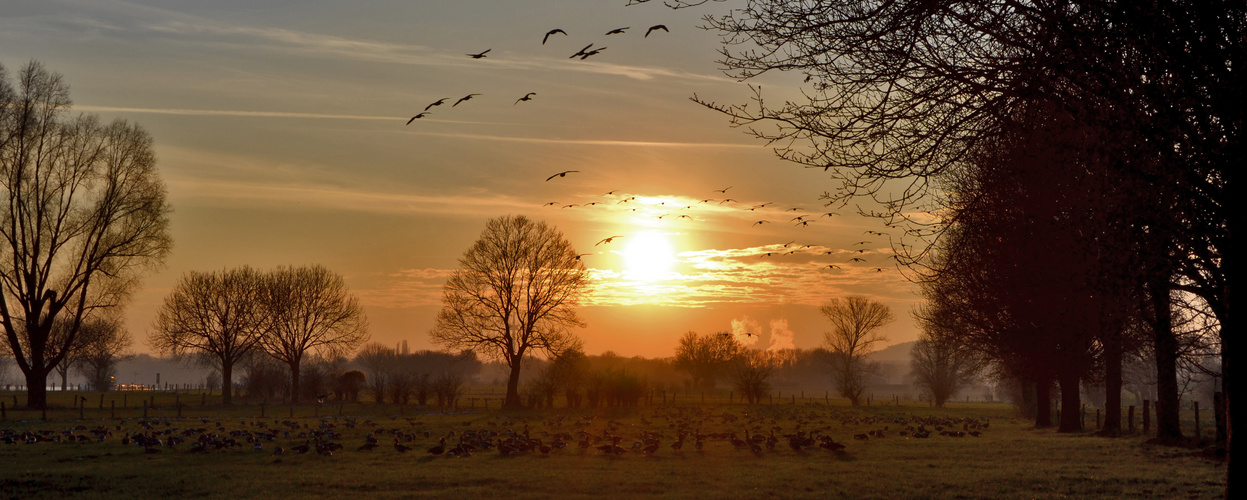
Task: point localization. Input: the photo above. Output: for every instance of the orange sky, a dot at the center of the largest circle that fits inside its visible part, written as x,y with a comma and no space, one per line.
280,134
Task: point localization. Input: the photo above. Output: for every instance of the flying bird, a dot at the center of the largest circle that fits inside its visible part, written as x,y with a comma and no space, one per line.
857,259
617,31
560,174
421,115
607,240
593,52
479,55
551,32
832,266
580,52
726,200
551,203
760,222
436,103
527,97
724,190
464,98
655,27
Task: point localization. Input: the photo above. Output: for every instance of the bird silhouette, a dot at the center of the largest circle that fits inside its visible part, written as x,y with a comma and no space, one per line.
551,203
832,266
551,32
655,27
527,97
593,52
436,103
464,98
617,31
760,222
560,174
724,190
856,259
479,55
421,115
580,52
607,240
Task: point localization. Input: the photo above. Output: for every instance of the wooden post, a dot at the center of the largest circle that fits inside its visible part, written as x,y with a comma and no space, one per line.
1195,405
179,405
112,409
101,401
1147,416
1130,418
45,413
82,405
794,399
145,409
340,408
125,400
827,397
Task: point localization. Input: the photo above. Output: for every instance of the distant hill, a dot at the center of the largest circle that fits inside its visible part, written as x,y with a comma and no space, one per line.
898,353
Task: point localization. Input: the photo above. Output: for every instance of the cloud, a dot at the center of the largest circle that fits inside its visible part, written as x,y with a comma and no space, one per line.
747,331
781,336
406,288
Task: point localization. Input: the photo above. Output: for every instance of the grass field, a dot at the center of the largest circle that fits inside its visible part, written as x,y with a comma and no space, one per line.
1008,458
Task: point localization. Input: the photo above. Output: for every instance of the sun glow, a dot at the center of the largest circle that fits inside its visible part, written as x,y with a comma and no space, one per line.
648,257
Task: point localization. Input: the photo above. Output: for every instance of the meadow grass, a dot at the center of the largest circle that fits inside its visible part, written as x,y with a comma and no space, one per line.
1010,459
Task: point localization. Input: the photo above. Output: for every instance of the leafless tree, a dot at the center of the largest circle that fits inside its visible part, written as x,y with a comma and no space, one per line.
105,346
941,363
855,322
515,291
85,217
213,316
750,371
309,309
706,357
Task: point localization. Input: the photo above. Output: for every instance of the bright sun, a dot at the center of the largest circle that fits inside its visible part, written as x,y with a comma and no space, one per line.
648,257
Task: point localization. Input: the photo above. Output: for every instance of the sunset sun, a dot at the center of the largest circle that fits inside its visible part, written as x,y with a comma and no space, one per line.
648,257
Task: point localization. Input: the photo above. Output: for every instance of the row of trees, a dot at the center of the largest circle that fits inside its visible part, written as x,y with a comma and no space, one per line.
289,313
1073,163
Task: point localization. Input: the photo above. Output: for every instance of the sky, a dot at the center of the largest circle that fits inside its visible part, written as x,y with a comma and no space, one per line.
281,133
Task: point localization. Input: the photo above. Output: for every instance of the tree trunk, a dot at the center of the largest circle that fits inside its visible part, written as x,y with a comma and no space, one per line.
1229,373
227,382
1168,428
1043,402
37,390
513,387
1112,384
1071,401
294,383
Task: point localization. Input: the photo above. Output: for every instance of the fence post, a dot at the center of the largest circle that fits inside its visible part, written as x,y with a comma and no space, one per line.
101,401
112,409
1195,404
1130,418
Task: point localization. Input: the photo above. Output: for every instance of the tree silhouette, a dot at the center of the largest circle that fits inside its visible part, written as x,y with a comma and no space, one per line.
853,335
214,316
706,357
515,291
307,309
85,216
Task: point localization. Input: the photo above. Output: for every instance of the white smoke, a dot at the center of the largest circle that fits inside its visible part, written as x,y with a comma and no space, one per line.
781,336
746,331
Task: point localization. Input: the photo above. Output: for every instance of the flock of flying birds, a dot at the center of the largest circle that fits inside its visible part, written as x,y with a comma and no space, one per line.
584,53
590,50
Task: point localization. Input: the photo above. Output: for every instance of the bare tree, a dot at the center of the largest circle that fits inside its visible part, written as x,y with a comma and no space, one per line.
515,291
106,342
85,217
941,365
854,324
706,357
751,370
309,309
212,316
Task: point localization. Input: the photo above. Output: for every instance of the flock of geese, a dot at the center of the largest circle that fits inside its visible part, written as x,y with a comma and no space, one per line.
660,209
666,429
